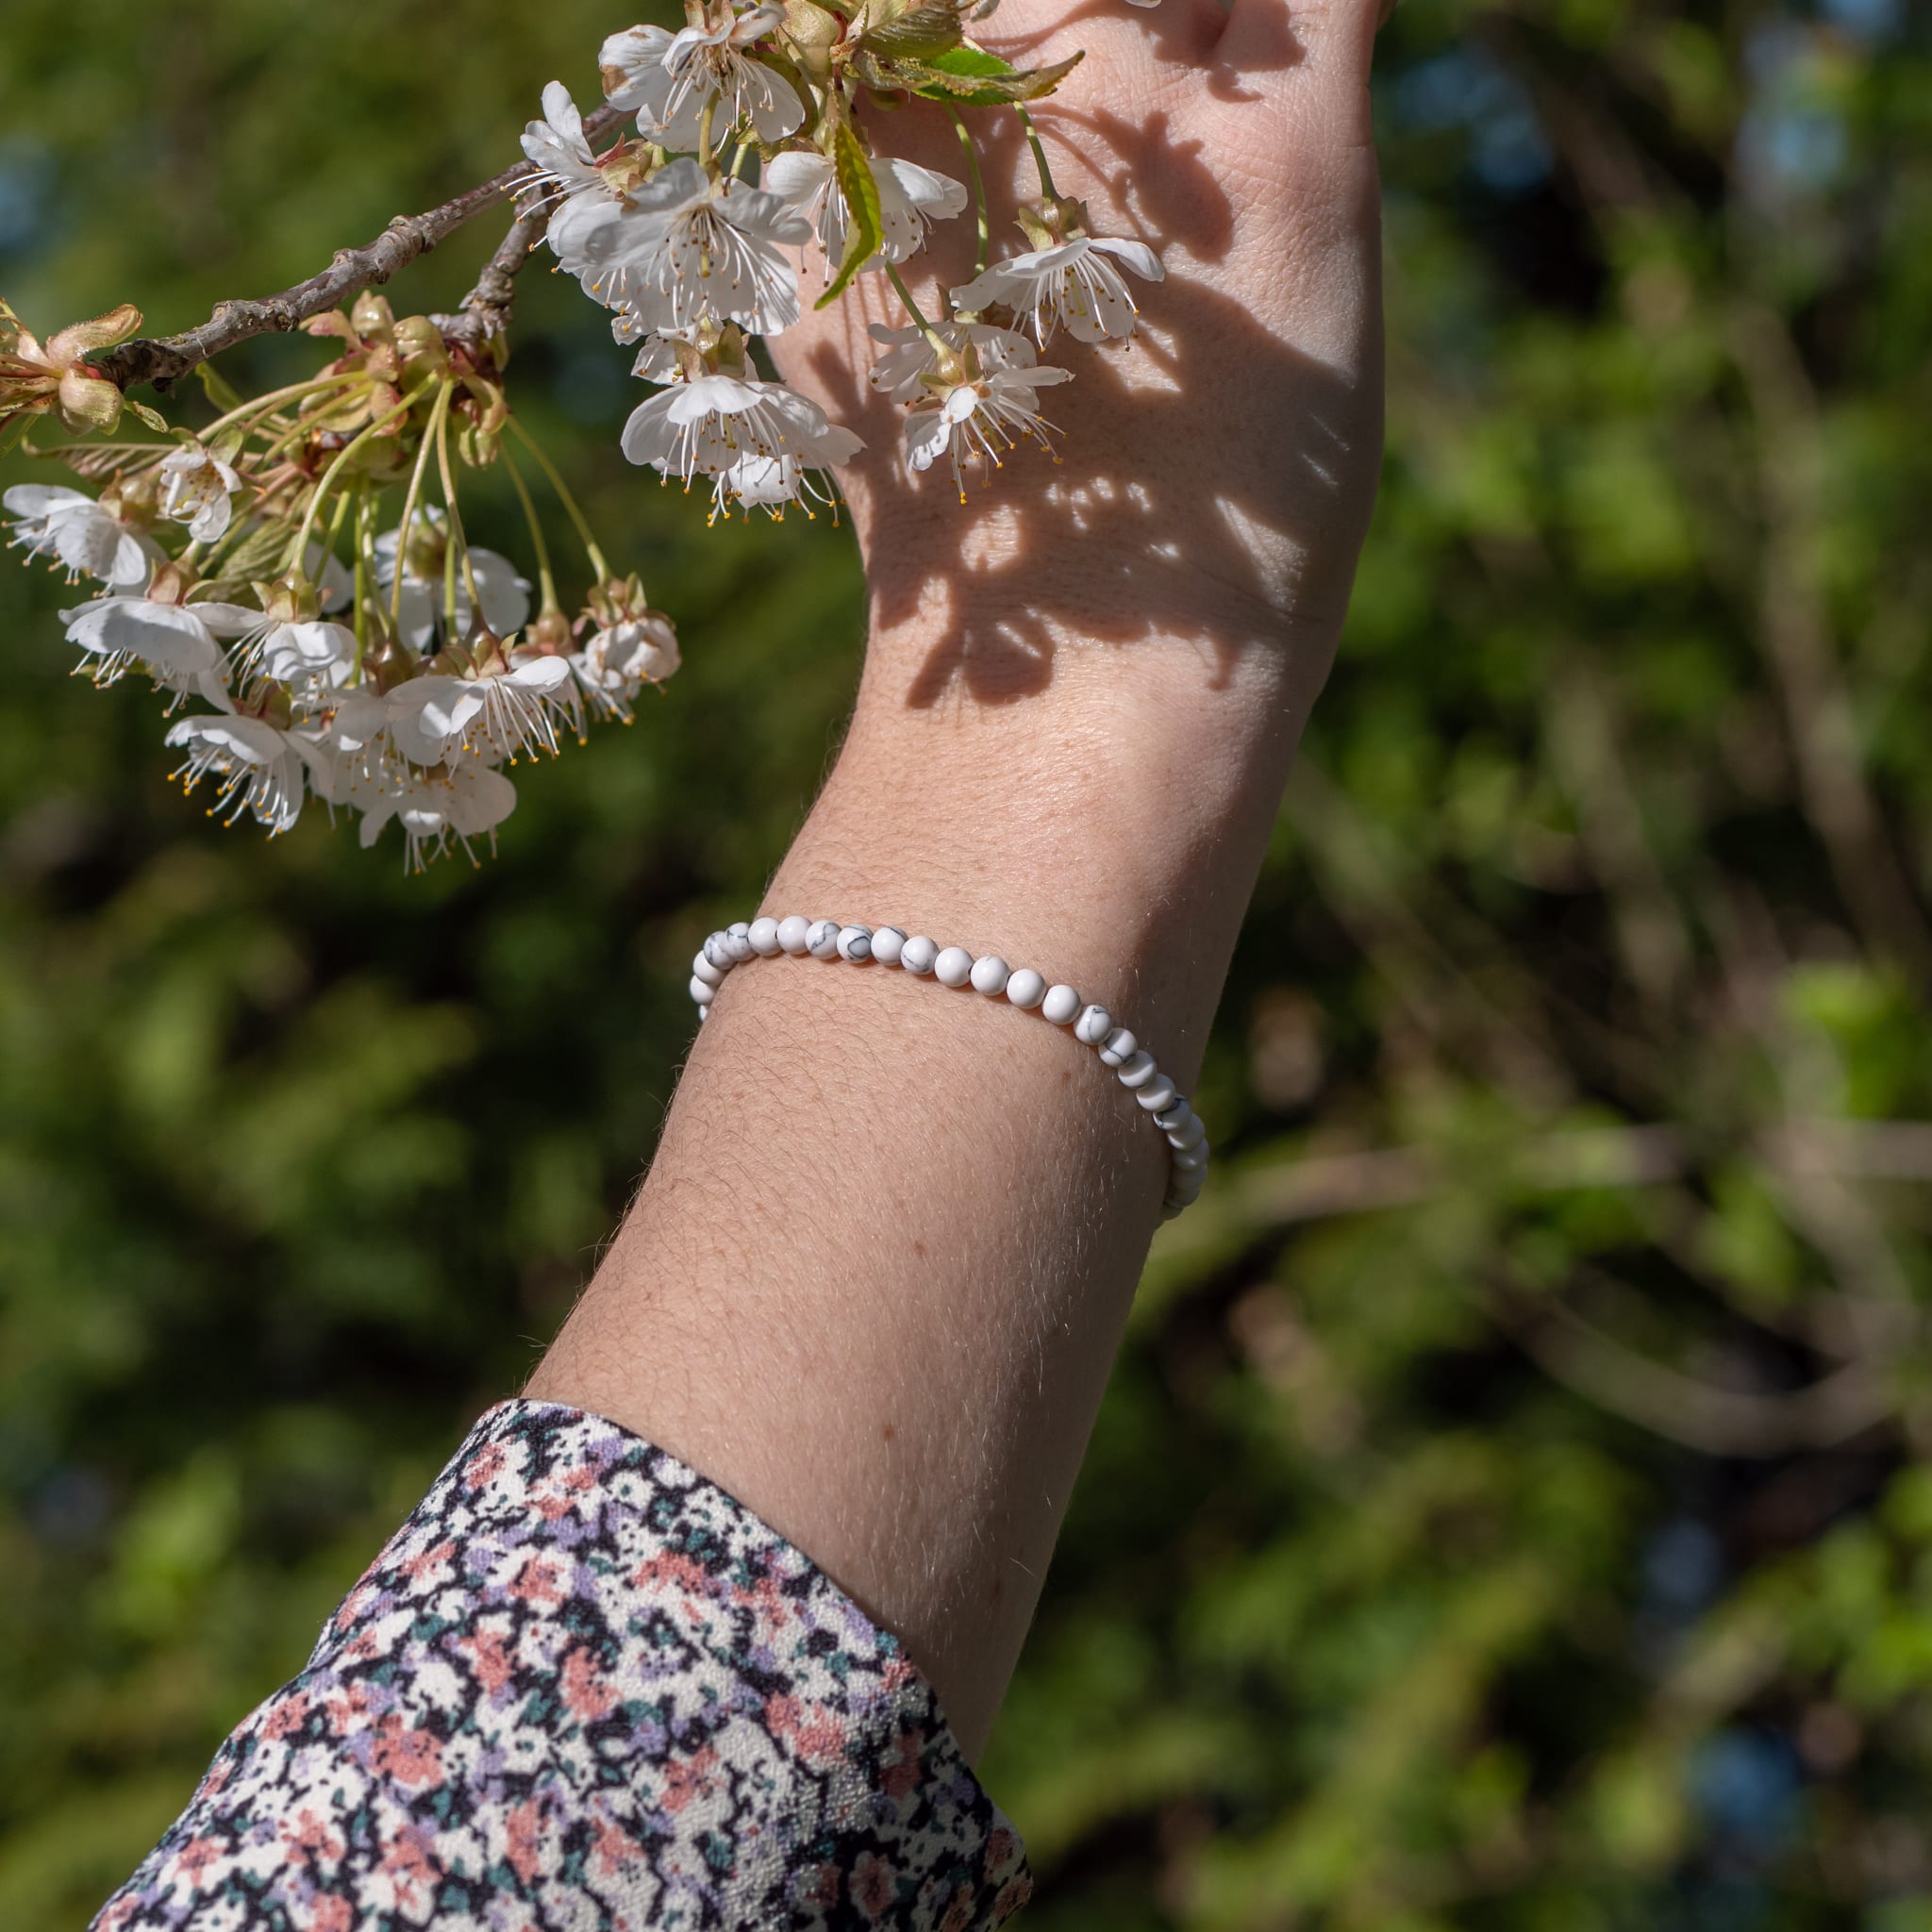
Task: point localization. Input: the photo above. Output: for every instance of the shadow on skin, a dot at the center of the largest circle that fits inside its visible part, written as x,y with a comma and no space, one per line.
1113,544
1176,32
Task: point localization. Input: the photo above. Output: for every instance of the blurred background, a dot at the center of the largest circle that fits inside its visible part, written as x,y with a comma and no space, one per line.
1514,1506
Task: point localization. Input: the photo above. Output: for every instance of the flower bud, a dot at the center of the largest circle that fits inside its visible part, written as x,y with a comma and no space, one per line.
550,635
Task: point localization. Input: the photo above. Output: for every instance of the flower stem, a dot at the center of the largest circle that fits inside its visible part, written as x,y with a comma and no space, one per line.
276,397
438,411
941,345
985,247
365,507
457,538
565,497
1046,187
335,469
546,583
706,158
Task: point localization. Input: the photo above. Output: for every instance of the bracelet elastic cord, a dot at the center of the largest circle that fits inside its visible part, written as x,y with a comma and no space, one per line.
1092,1025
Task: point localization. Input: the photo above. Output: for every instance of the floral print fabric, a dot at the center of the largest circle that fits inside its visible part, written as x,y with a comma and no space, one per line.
583,1688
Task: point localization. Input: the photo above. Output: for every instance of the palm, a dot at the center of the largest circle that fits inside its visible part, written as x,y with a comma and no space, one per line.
1224,462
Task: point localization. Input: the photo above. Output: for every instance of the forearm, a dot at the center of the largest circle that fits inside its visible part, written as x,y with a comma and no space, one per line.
878,1274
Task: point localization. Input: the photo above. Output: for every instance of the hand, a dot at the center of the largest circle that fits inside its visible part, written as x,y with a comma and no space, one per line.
1218,473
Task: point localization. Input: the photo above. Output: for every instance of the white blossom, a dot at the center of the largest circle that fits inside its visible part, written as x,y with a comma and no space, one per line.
910,198
712,422
176,643
667,78
87,539
199,489
977,420
503,714
1074,283
911,357
263,770
504,594
460,802
304,656
621,657
683,249
558,147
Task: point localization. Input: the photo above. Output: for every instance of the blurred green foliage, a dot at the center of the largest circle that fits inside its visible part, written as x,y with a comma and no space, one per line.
1514,1506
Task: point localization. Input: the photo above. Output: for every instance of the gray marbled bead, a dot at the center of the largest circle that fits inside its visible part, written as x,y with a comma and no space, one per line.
854,943
887,942
718,953
989,974
822,941
1118,1047
1093,1025
737,943
1173,1119
917,954
1060,1005
1137,1071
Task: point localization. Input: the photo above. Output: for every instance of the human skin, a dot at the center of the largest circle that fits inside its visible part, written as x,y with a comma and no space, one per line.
877,1276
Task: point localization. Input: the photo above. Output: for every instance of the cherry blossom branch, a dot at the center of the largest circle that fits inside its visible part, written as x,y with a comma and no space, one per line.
484,312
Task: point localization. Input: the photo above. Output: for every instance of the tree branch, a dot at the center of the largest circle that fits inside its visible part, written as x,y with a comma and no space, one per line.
485,309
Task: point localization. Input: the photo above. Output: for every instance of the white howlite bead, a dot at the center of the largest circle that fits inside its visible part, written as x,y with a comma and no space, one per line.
1185,1189
1137,1070
989,976
793,932
918,954
1171,1119
1188,1160
718,953
738,946
1060,1004
887,944
1159,1093
701,968
703,990
1116,1047
822,941
954,967
1093,1025
854,943
1025,988
764,935
1190,1133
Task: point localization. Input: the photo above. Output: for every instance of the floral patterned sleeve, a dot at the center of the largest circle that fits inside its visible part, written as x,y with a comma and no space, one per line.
584,1688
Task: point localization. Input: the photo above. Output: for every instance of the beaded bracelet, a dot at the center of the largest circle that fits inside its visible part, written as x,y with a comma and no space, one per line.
826,938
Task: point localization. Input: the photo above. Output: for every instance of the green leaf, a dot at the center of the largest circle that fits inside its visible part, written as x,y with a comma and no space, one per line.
862,194
974,61
221,391
972,77
925,31
152,418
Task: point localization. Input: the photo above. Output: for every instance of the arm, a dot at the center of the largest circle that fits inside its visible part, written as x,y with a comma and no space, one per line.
877,1276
